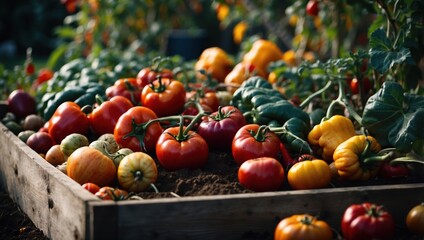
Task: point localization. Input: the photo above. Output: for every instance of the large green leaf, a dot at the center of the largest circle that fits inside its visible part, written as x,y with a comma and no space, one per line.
395,118
383,56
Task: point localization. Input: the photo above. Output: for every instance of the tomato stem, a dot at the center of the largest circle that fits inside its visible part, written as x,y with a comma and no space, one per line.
161,88
154,187
138,175
306,220
260,135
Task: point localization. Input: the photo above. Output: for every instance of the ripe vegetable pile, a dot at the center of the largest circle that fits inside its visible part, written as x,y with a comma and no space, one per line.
126,136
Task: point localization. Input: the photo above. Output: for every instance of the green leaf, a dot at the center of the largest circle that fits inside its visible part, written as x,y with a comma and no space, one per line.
56,55
384,60
379,40
66,32
395,119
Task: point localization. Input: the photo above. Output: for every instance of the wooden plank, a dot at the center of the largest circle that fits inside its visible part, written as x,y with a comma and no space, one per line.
55,203
236,216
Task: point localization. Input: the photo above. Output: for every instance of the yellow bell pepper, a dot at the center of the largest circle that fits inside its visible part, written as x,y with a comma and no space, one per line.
214,61
326,136
241,72
262,53
350,158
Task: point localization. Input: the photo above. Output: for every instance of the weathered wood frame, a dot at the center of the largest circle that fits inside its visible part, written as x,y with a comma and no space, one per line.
63,210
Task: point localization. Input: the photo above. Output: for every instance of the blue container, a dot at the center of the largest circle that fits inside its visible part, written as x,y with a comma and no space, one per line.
189,43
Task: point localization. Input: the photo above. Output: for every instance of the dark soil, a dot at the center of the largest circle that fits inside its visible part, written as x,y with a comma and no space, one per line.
14,224
217,177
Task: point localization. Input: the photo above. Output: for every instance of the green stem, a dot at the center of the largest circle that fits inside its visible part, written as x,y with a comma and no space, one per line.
312,96
340,100
260,135
406,160
161,87
154,187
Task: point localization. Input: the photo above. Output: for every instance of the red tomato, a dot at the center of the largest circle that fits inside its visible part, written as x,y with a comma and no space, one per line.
29,68
254,141
128,135
126,87
261,174
355,85
44,75
104,117
176,150
148,75
21,103
91,187
367,221
165,97
312,8
110,193
208,98
40,142
219,128
393,171
68,118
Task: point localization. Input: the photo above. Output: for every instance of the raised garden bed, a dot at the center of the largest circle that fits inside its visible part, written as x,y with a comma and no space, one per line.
62,209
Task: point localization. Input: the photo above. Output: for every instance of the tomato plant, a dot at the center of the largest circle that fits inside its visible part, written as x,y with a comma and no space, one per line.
367,221
415,219
136,172
128,135
220,127
254,141
179,147
163,93
261,174
302,226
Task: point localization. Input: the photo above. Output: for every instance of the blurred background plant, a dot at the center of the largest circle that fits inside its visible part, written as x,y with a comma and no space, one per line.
129,25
